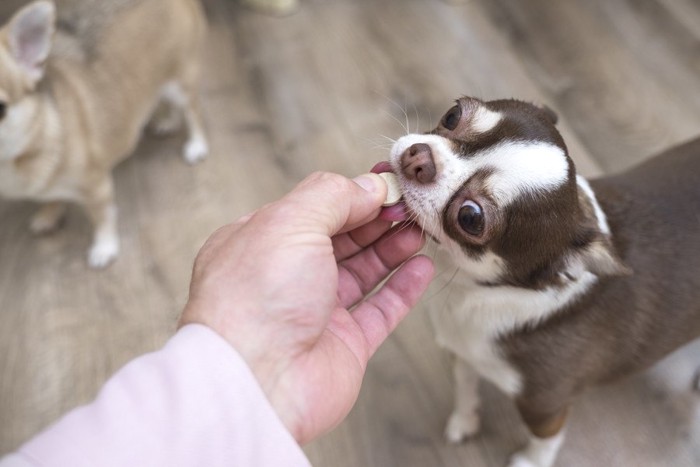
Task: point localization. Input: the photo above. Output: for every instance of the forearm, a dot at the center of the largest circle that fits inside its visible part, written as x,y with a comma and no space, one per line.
193,403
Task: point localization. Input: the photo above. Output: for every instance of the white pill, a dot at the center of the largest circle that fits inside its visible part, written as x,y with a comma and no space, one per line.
393,194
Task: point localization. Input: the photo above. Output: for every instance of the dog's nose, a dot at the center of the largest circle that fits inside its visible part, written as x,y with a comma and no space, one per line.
417,163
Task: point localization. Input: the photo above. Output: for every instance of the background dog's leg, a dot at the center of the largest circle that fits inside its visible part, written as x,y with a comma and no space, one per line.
48,217
196,147
546,437
464,420
103,214
185,97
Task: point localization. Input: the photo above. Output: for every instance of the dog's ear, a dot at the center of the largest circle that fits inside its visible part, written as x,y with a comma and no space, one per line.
29,34
550,114
591,249
596,257
601,260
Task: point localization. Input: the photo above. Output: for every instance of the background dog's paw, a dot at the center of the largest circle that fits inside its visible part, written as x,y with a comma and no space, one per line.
47,219
520,460
102,253
460,427
195,150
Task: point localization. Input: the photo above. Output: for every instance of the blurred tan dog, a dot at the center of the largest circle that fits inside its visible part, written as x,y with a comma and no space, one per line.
77,89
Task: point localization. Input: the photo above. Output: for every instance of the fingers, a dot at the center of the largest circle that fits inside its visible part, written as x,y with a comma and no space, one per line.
329,203
350,243
380,314
360,274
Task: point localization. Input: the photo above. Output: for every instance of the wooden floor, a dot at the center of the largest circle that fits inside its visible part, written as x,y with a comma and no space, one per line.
324,90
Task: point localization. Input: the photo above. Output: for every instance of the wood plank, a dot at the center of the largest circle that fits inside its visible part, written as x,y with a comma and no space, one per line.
326,89
581,55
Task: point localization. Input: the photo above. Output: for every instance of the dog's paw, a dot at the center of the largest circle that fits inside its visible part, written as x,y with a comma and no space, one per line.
520,460
460,427
102,253
47,219
196,149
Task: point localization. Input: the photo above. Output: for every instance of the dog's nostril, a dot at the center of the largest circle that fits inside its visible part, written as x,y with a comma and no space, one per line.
417,163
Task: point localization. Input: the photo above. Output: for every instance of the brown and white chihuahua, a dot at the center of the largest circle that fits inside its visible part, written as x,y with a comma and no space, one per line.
562,284
77,89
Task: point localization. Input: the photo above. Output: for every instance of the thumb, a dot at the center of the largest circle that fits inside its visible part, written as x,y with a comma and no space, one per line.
330,203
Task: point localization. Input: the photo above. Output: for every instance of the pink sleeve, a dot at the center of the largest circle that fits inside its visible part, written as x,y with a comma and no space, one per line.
193,403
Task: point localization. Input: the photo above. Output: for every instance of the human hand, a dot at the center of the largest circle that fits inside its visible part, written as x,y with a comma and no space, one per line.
287,286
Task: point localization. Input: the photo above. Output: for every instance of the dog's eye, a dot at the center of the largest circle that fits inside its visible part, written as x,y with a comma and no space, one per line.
471,218
451,118
3,109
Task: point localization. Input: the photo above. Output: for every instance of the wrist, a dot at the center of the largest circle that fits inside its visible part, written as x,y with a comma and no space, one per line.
264,363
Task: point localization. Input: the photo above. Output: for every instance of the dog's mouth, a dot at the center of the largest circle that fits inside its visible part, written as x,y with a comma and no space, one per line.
398,212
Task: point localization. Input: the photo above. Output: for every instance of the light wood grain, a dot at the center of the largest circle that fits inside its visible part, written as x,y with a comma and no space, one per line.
324,90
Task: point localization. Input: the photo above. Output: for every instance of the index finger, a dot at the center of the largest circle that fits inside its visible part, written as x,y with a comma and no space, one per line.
349,243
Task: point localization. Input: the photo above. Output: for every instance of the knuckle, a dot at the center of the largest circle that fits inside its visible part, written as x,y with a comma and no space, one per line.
329,178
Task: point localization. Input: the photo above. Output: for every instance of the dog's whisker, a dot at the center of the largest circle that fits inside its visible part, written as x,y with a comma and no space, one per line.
395,104
415,110
401,124
392,140
408,127
446,286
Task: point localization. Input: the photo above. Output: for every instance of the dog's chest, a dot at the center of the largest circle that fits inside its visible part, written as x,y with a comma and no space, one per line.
474,317
13,183
460,328
37,182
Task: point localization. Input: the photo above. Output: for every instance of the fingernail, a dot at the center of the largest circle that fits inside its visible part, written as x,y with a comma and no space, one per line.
367,182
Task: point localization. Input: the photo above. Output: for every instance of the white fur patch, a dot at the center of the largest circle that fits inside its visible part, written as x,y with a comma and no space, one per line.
464,420
105,244
196,149
539,452
484,120
599,214
172,92
455,333
14,137
522,167
25,123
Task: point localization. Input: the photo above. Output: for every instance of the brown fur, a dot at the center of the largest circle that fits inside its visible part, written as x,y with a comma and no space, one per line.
624,324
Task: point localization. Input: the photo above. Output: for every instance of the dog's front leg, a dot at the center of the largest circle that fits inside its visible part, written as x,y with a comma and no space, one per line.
102,210
464,421
546,436
183,95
